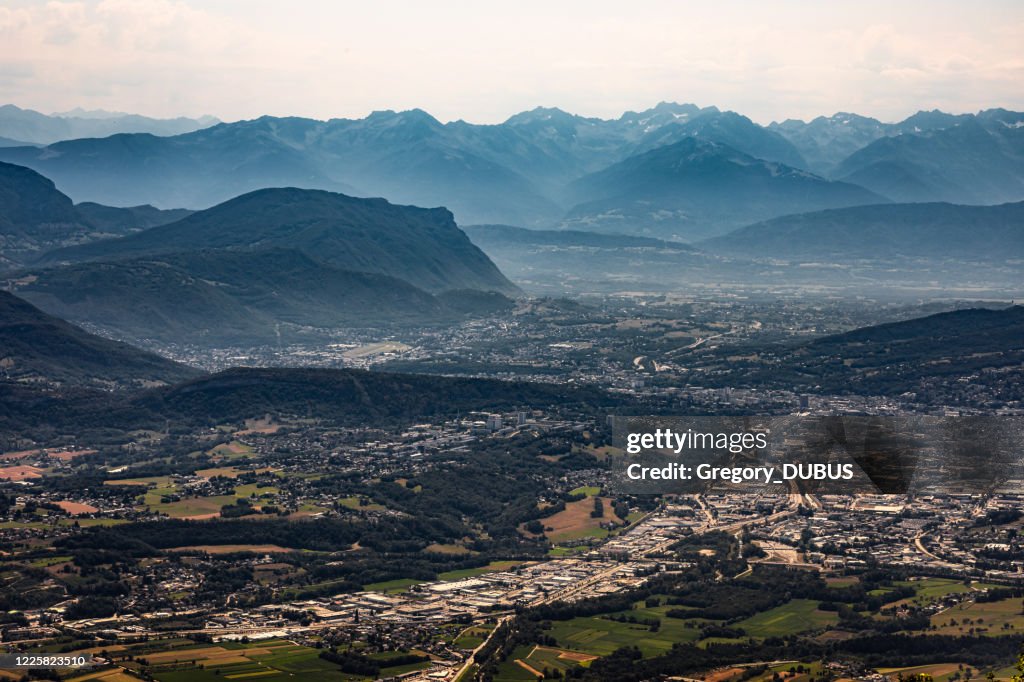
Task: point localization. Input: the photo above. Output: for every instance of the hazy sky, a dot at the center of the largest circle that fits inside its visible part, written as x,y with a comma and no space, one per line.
483,61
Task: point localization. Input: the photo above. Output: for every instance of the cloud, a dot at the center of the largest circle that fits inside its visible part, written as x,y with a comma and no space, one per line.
236,58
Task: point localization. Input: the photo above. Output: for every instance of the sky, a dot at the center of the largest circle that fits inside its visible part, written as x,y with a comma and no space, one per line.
483,61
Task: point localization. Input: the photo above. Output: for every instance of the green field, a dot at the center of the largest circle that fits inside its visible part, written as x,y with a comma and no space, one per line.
192,506
940,672
353,503
398,585
799,615
253,489
566,551
472,637
510,671
930,589
492,567
539,659
394,670
1003,617
268,661
89,523
600,636
587,490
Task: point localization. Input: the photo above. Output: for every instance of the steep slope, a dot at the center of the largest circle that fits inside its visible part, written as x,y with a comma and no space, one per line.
235,297
694,189
979,160
36,348
35,216
422,246
935,230
27,200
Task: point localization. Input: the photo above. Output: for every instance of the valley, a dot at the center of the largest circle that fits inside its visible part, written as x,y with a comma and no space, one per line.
338,398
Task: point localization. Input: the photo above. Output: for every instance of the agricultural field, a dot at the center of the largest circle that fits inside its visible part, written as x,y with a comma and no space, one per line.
601,636
270,661
996,618
492,567
354,503
528,663
575,522
604,634
472,637
230,452
447,549
115,675
791,672
160,492
395,670
798,615
556,552
940,672
392,586
231,549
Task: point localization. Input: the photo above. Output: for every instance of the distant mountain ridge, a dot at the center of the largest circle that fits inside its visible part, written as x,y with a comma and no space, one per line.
512,172
931,230
33,127
979,160
556,262
528,169
825,141
509,234
695,188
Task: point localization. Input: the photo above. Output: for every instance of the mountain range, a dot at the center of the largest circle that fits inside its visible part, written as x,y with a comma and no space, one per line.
25,126
36,217
549,168
695,188
825,141
884,232
268,264
980,160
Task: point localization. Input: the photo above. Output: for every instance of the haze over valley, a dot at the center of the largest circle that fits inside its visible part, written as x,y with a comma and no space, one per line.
289,390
